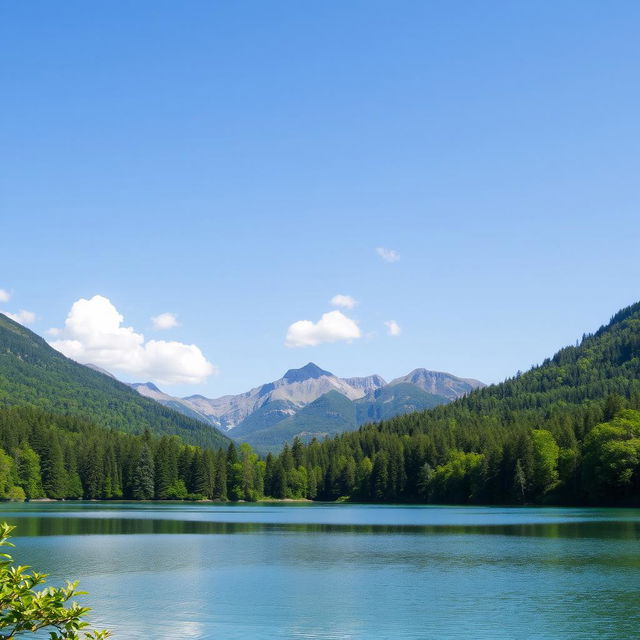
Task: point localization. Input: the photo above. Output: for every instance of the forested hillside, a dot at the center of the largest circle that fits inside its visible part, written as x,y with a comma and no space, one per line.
560,433
55,456
35,375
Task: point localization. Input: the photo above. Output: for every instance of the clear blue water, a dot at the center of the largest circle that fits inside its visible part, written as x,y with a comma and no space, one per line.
166,571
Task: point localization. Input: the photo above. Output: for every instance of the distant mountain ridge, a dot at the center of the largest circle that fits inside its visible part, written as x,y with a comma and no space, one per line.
439,383
368,384
303,403
149,390
296,389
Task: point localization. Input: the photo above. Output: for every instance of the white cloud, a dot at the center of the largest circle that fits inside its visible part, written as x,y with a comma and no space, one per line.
5,296
23,316
393,328
347,302
333,326
388,255
165,321
93,333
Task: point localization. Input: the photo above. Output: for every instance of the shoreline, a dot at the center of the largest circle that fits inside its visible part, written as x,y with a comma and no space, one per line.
207,501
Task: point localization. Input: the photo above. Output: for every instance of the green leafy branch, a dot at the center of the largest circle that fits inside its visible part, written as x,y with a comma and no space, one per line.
24,610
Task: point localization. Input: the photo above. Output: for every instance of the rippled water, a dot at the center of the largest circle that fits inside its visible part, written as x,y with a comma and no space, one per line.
341,571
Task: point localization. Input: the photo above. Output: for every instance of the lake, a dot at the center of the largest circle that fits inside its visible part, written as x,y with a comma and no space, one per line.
337,571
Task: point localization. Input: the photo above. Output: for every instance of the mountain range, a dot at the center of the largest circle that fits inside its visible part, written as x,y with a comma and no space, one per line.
312,402
307,402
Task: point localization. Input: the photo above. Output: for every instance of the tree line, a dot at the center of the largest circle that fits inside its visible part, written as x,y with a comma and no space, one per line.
462,464
46,455
60,457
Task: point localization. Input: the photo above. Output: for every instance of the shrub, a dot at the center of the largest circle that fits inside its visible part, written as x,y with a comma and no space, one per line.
25,611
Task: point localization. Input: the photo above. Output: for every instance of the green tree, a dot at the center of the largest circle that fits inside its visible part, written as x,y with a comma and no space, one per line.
347,477
28,466
73,483
279,484
200,476
269,467
166,469
612,457
53,472
297,451
545,462
425,475
8,479
312,482
24,610
363,477
519,483
92,469
287,458
220,486
613,405
249,474
234,474
176,491
380,476
297,482
458,480
142,485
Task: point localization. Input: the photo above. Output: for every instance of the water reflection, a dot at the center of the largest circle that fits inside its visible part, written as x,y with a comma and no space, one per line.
68,526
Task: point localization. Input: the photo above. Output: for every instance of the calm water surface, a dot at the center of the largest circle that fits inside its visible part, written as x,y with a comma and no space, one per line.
341,571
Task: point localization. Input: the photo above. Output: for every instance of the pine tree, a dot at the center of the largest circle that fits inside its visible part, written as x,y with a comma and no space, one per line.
73,484
166,472
142,485
380,476
234,474
279,486
52,468
347,480
199,479
220,491
297,451
287,458
268,475
248,477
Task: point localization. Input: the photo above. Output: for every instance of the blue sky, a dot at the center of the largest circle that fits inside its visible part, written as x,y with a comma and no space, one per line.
238,164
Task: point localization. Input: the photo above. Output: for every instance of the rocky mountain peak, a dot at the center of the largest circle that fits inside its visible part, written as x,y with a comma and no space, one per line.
439,383
367,384
308,372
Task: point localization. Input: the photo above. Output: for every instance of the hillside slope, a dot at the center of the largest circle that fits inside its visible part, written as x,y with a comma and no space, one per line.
393,400
34,374
328,415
